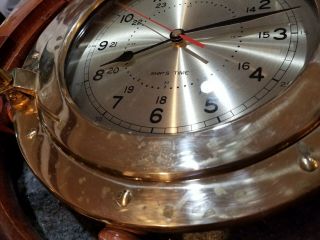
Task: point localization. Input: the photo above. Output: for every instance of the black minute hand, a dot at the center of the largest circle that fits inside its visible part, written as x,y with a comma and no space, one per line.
128,55
239,20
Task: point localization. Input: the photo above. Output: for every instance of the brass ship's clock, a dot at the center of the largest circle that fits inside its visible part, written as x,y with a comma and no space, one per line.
169,114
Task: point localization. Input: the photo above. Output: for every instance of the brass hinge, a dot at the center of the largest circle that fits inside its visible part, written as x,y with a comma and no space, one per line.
5,82
18,86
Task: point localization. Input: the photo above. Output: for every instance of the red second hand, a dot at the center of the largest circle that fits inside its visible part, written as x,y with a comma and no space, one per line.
185,37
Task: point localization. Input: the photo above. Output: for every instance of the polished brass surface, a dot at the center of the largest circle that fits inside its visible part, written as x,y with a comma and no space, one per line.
24,81
5,81
19,87
257,162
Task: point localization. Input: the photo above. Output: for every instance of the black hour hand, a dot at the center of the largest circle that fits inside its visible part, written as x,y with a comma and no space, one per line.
125,57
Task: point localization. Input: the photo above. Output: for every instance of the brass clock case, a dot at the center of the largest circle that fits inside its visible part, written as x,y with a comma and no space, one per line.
229,172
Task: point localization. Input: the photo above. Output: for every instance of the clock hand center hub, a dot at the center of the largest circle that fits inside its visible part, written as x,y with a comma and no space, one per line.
175,35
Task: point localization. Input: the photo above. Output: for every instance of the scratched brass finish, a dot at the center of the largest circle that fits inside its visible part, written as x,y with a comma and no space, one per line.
255,163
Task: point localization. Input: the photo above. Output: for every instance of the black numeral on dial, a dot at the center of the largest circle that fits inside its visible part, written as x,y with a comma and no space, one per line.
118,100
161,100
105,44
264,5
129,89
156,115
282,32
257,74
211,106
129,18
99,75
113,70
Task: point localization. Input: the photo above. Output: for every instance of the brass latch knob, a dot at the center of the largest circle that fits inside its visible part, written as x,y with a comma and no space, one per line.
18,86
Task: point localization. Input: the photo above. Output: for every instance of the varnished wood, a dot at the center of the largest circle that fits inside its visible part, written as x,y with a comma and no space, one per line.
19,32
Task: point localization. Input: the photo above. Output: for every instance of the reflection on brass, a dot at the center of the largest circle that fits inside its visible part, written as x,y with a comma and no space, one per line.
24,81
308,164
19,88
18,100
5,81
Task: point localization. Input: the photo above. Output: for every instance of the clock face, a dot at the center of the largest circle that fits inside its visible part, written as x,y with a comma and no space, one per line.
169,67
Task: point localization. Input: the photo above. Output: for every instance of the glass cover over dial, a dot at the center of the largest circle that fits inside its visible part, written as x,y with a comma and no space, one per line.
168,67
